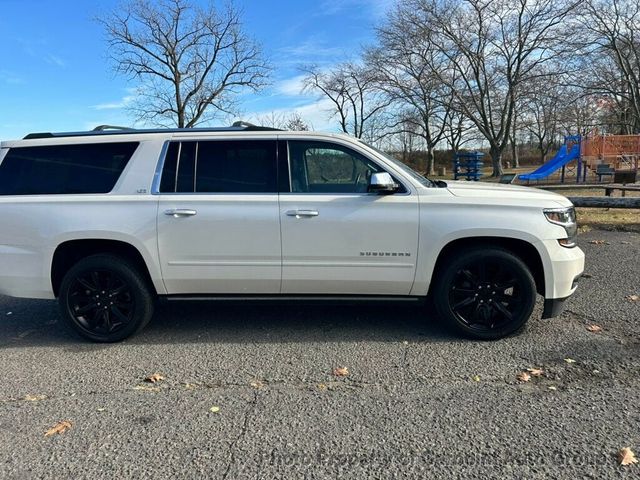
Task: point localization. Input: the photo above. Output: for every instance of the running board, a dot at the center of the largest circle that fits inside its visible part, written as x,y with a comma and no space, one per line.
295,298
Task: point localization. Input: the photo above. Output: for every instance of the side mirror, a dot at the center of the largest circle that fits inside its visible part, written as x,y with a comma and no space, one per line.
382,183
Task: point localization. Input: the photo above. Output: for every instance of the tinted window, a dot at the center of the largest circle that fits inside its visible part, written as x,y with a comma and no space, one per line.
180,160
236,166
247,166
319,167
169,169
86,168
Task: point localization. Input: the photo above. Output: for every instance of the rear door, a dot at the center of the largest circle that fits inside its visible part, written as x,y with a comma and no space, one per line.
218,218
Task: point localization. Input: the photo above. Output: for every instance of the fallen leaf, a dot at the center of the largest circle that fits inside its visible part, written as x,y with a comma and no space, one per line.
569,360
34,398
156,377
552,388
146,388
523,377
322,386
257,384
627,457
594,328
535,372
633,298
214,409
599,242
58,428
341,371
625,243
476,378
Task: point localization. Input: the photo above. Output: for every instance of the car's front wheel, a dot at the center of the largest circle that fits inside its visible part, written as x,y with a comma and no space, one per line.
105,298
486,293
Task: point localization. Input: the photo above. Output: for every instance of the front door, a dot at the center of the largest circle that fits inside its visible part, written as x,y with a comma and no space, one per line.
337,238
218,218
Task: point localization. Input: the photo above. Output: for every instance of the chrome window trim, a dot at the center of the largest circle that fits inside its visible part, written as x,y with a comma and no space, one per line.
384,167
157,176
195,168
175,179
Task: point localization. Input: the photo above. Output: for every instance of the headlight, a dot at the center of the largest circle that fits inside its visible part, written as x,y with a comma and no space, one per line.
566,218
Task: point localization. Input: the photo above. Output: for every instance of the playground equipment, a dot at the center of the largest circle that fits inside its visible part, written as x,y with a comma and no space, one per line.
604,155
468,164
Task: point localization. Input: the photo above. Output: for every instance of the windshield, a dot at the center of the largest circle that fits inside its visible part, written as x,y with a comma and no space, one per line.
405,168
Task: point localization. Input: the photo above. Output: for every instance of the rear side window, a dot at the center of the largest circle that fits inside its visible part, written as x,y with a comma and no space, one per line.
64,169
220,166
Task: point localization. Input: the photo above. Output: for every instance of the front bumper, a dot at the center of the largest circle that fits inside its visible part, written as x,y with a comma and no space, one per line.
562,266
563,269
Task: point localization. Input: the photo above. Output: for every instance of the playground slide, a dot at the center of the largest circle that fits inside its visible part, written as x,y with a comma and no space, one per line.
561,159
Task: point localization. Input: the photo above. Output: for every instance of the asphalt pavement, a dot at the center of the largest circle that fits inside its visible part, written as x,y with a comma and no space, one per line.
248,391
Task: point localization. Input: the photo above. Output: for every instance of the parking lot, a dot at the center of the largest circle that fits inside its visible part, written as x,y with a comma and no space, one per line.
417,401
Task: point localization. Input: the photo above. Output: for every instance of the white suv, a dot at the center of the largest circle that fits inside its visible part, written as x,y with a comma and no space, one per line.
107,221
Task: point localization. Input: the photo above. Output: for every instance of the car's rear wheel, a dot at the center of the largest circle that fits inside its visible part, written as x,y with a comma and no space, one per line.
105,298
485,293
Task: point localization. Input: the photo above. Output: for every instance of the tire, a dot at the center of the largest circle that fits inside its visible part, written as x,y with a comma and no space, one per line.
485,293
105,298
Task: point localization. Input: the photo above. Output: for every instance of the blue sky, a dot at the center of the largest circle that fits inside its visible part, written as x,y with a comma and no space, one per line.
55,75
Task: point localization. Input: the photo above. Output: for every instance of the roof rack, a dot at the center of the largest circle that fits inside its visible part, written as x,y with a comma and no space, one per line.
102,128
238,126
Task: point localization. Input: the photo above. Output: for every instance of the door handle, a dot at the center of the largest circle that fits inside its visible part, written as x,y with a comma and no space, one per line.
302,213
180,212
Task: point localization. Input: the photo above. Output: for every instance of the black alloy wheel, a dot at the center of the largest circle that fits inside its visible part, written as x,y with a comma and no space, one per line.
105,299
486,293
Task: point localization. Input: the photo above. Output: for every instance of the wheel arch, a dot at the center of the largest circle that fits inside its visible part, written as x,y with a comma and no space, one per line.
524,250
70,252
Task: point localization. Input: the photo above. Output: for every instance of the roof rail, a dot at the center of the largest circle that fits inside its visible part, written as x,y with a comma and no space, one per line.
242,123
102,128
114,130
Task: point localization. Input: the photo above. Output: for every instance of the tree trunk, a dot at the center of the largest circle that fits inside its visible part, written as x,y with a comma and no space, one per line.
429,167
514,152
496,161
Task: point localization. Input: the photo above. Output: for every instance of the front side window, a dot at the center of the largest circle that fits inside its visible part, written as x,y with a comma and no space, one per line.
64,169
220,166
320,167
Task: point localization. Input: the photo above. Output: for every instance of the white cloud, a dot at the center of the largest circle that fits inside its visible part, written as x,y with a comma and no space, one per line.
316,113
10,78
376,8
311,48
291,87
54,60
118,104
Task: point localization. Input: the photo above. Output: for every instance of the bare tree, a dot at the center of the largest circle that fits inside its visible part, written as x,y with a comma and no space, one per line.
281,120
458,131
354,95
612,58
541,109
404,62
493,47
296,123
190,61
